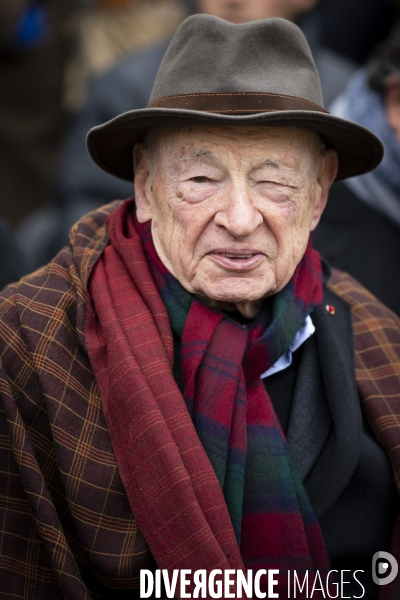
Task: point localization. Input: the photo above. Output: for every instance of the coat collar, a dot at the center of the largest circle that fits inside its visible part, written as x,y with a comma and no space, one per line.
89,237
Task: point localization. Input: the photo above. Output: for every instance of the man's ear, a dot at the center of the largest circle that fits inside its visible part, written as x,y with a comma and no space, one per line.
327,173
142,184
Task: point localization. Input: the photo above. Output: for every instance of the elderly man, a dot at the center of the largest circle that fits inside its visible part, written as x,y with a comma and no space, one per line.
186,386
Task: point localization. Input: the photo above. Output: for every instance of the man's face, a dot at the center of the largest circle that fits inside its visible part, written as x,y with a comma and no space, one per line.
242,11
232,207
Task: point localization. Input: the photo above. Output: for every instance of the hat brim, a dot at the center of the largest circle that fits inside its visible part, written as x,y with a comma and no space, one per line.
110,145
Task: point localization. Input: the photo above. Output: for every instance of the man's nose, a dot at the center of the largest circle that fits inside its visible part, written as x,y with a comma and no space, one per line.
238,215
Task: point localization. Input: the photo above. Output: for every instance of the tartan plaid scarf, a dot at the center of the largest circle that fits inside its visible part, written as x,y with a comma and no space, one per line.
272,518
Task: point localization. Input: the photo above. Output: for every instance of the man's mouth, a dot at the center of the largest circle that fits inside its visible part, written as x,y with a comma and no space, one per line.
238,256
237,260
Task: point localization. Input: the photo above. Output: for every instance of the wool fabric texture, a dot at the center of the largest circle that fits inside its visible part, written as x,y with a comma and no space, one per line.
272,518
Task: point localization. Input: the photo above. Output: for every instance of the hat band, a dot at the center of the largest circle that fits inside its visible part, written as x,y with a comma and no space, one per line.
238,102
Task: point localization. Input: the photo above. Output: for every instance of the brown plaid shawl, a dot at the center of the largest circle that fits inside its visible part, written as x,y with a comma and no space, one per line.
67,530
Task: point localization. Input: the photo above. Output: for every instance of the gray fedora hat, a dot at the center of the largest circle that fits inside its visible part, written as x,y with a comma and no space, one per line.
217,73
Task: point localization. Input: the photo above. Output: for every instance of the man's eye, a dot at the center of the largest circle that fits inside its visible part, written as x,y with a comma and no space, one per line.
200,179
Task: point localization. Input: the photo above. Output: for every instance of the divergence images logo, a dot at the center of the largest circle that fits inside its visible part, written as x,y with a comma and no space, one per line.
381,573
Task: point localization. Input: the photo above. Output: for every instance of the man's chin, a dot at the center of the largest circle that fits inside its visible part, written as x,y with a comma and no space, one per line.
245,299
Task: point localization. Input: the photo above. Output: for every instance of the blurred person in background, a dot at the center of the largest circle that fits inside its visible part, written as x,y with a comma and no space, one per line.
353,29
47,50
50,50
360,229
82,186
34,47
242,11
108,30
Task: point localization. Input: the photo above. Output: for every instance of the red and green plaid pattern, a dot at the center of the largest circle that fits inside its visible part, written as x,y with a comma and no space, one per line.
222,362
232,414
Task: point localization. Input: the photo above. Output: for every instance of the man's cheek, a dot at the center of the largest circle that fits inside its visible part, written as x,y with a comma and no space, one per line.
280,219
189,221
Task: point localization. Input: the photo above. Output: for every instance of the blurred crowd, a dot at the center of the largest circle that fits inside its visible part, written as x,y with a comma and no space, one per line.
68,65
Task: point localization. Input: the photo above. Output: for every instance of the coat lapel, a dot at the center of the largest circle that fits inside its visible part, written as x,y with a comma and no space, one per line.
325,428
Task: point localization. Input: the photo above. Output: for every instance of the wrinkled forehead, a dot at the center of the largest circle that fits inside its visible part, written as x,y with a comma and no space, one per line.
214,144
